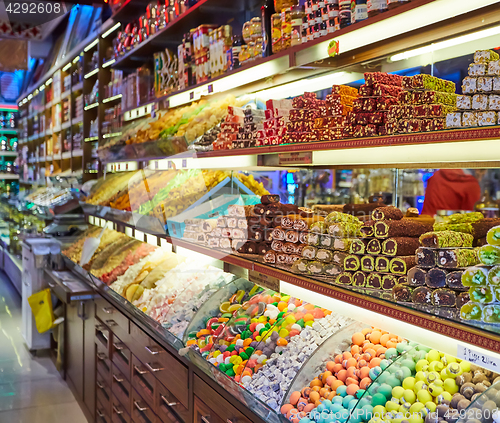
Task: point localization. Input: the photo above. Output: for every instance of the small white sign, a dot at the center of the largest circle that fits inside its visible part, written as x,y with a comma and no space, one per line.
476,357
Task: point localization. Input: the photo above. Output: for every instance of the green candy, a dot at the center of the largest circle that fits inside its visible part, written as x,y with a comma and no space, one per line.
489,255
494,276
222,367
493,236
280,315
230,348
230,372
475,276
244,356
481,294
491,313
249,351
301,323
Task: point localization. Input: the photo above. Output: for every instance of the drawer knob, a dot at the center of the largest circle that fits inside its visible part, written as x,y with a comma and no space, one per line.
170,404
205,419
111,322
154,367
119,346
101,356
139,406
153,350
117,379
117,410
99,385
108,310
140,370
100,413
100,328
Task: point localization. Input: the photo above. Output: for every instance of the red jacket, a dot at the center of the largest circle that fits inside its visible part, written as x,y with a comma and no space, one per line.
450,189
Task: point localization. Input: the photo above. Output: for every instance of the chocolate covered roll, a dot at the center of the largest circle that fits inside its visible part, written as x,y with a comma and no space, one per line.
291,236
326,256
399,228
360,209
277,245
300,266
339,258
309,252
471,311
259,209
358,246
400,265
299,248
285,222
422,295
382,264
332,270
279,209
359,279
325,241
402,279
374,280
436,278
300,225
269,199
400,246
261,221
289,248
255,234
402,293
426,257
267,234
388,282
457,258
316,267
278,234
454,280
345,278
387,213
367,263
319,227
263,248
373,247
367,229
351,263
446,239
221,222
462,298
313,238
303,237
327,208
281,258
444,297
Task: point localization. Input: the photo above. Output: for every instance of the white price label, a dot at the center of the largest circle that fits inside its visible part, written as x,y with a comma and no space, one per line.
479,358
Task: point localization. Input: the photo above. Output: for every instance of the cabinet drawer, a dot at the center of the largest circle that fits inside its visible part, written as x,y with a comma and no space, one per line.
142,412
102,413
204,414
118,413
103,395
143,381
121,357
103,365
101,335
214,401
120,387
169,409
112,318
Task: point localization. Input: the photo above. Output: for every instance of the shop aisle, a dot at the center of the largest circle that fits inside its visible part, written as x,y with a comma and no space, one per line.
31,389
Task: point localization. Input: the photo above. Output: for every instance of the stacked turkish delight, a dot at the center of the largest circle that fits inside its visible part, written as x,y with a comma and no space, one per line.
423,105
370,109
480,100
275,126
241,128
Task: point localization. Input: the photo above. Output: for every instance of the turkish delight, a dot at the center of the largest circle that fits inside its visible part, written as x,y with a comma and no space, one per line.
464,102
382,264
388,282
444,298
345,278
494,102
480,102
469,85
359,279
454,120
489,255
486,118
445,239
482,294
387,213
436,278
491,313
484,84
373,247
477,69
426,257
484,56
399,228
400,246
475,276
351,263
374,280
494,67
367,263
471,311
400,265
454,280
422,295
402,293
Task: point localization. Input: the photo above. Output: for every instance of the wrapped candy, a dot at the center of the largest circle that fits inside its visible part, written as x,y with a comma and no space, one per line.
491,313
482,294
359,279
374,280
373,247
471,311
445,239
402,293
475,276
351,263
493,236
457,258
436,278
444,298
416,276
489,255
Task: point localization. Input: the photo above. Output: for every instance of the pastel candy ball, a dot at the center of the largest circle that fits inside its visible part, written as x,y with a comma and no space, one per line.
379,399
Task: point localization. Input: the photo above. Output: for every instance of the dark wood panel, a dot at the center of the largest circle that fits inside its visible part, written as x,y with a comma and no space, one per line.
75,348
204,414
168,408
89,363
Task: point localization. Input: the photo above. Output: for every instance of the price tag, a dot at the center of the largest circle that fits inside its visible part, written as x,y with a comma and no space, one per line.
481,359
170,164
191,95
297,158
184,163
210,88
265,281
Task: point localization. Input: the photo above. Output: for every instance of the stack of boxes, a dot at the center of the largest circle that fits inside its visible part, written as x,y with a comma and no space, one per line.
423,105
275,126
478,105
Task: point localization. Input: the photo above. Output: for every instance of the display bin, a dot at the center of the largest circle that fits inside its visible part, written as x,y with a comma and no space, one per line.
485,408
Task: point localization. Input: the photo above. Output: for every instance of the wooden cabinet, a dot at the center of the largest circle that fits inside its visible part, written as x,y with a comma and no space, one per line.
75,347
204,414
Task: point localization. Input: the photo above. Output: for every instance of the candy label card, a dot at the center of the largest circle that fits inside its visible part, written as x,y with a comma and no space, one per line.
299,158
264,280
476,357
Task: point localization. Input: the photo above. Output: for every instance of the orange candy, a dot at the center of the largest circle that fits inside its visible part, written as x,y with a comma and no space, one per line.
355,350
358,338
308,408
374,362
314,396
282,305
351,371
308,317
324,392
336,384
342,375
366,330
305,392
315,382
286,408
352,389
294,397
375,337
364,372
330,366
351,362
326,375
365,382
330,380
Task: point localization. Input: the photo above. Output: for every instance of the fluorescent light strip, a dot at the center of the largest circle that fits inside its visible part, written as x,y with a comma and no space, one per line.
91,73
48,82
92,44
446,44
30,96
91,139
114,134
402,23
42,87
107,100
91,106
36,92
67,67
108,63
110,30
76,59
138,112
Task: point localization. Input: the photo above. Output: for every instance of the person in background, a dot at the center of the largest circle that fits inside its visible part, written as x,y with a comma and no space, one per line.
450,189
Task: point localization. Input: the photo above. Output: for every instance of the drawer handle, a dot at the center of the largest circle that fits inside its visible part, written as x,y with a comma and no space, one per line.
154,369
51,285
111,322
99,385
117,410
138,406
204,419
119,346
100,328
165,400
100,413
101,356
108,310
119,380
139,370
154,350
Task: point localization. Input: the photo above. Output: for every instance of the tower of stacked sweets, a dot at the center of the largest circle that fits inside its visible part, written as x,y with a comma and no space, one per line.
478,105
422,106
241,128
483,282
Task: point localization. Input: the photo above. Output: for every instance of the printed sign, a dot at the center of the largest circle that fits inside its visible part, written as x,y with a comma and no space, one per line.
265,281
476,357
293,159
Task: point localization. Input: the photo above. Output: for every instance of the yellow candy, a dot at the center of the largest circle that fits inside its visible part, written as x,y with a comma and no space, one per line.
258,338
262,319
309,323
216,353
290,320
283,333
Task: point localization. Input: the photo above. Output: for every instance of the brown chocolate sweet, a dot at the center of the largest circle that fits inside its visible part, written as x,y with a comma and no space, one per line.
416,276
270,257
367,230
400,246
374,280
359,279
387,213
422,295
373,247
360,210
426,257
358,246
388,282
436,278
402,293
351,263
367,263
345,278
382,264
454,281
400,228
444,297
401,265
278,234
462,298
270,198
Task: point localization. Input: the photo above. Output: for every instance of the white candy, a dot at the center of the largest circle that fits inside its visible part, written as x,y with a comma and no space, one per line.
259,327
239,342
226,360
246,379
297,327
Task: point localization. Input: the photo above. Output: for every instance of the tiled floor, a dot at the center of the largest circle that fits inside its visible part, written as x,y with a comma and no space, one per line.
31,389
